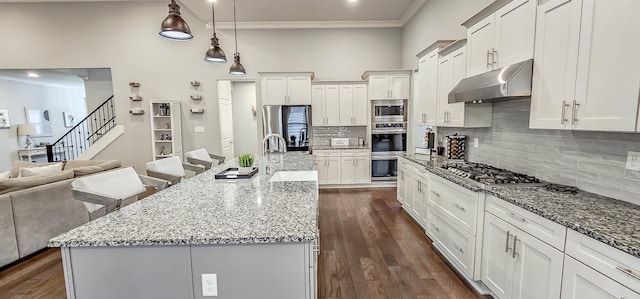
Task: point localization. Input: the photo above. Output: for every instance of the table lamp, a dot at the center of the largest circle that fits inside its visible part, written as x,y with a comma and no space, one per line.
27,130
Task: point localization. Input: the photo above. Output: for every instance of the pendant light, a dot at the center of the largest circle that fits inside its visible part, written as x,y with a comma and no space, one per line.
174,26
215,53
236,68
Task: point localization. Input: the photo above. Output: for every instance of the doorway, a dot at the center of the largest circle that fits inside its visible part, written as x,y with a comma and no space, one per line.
238,119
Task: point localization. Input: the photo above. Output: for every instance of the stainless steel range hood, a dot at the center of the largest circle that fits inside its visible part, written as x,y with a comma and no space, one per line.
509,82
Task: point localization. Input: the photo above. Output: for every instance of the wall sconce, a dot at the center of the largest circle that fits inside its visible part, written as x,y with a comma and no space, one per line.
254,111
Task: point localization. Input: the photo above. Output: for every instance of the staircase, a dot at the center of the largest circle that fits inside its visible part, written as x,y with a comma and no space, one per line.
84,134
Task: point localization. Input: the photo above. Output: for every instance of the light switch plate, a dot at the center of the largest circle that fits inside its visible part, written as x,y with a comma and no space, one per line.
633,161
209,285
476,142
199,129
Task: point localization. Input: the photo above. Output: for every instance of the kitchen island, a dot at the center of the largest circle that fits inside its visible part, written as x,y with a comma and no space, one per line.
259,238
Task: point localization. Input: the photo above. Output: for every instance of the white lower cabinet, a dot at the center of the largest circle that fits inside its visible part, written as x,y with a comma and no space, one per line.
517,265
413,191
580,281
457,245
343,167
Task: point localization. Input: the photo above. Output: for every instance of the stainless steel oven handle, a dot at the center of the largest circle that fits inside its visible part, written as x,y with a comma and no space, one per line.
384,158
397,131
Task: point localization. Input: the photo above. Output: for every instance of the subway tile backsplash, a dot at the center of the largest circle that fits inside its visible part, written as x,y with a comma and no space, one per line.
592,161
322,135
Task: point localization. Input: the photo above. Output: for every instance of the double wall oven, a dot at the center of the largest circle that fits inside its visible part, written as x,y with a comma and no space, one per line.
388,138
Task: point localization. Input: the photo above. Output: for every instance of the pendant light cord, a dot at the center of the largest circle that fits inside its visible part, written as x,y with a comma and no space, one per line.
235,25
213,13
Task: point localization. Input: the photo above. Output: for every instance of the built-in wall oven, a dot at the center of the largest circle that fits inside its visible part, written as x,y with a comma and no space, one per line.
389,111
388,141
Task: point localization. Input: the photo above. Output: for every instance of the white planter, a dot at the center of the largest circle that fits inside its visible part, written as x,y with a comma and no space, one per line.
245,170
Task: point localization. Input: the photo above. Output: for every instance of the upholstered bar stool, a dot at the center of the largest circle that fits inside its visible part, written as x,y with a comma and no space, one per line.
204,158
171,169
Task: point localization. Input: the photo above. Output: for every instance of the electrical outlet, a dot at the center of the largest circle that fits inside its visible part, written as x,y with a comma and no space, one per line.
209,285
476,142
633,161
199,129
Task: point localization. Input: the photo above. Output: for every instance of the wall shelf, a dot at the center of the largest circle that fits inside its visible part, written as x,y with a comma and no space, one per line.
166,123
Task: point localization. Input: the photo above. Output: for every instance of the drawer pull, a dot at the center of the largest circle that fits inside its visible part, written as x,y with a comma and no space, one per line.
507,248
516,216
458,247
435,193
461,208
629,272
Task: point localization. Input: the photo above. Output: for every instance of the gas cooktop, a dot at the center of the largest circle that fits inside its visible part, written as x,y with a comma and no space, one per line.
489,175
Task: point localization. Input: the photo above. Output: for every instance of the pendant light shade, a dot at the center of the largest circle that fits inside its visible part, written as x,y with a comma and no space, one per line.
215,53
237,69
174,26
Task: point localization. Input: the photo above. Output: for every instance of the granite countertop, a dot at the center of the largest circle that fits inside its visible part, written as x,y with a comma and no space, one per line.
608,220
329,148
203,211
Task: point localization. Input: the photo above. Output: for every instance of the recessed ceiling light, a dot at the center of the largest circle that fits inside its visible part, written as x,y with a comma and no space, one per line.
33,75
214,1
353,1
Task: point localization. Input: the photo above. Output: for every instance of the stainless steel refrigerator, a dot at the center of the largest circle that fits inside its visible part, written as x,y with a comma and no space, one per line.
292,123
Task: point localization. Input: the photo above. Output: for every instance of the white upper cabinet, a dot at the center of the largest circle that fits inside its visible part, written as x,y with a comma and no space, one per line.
426,98
459,67
318,105
353,105
286,88
325,105
346,105
389,85
339,105
445,85
586,67
502,38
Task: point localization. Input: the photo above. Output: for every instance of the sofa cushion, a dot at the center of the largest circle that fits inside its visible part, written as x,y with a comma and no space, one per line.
16,184
17,165
42,170
5,175
8,241
87,167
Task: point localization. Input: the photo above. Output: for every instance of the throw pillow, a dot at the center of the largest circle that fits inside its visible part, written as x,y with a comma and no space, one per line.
17,165
43,170
5,175
28,182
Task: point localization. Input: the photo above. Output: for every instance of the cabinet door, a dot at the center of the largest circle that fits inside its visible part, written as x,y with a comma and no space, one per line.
346,105
608,77
459,66
317,105
497,261
363,172
321,166
401,191
515,28
420,188
298,90
348,170
274,91
580,281
430,90
334,171
409,193
399,85
379,89
424,219
480,44
360,105
420,97
554,64
537,269
332,105
445,85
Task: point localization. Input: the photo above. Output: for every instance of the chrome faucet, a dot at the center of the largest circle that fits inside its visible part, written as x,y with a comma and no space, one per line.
272,141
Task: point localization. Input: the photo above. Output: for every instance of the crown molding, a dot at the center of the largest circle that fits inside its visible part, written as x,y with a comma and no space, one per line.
413,9
308,25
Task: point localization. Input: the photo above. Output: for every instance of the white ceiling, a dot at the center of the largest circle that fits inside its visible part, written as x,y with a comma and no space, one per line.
52,77
321,13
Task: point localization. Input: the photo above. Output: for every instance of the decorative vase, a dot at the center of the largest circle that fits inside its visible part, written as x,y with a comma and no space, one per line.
245,170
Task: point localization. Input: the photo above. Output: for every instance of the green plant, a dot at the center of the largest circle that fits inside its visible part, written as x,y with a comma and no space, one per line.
245,160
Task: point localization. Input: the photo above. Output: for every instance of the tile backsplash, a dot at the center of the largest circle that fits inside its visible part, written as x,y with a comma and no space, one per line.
322,135
592,161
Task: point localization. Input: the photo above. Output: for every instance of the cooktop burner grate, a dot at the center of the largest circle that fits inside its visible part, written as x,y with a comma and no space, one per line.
487,174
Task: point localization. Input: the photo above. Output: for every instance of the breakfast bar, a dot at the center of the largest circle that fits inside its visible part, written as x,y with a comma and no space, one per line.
249,238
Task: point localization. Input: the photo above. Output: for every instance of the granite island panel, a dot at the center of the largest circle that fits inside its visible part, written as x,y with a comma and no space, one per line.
202,211
611,221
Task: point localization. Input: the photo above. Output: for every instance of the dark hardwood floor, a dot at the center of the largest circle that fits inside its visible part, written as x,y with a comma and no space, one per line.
369,248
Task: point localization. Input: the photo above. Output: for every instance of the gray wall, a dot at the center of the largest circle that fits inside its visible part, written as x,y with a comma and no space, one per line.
592,161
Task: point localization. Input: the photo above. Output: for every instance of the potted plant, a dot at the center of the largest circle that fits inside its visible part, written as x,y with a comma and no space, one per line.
245,163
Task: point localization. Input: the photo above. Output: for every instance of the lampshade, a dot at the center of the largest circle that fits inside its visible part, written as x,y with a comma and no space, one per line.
27,129
174,26
237,69
215,53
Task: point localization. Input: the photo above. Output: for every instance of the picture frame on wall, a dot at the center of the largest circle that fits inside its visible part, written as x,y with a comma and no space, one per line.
69,119
5,122
40,119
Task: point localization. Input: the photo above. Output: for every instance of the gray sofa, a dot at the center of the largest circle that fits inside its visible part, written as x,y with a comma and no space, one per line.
36,209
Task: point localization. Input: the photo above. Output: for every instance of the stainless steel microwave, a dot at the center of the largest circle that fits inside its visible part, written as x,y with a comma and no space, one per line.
389,111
